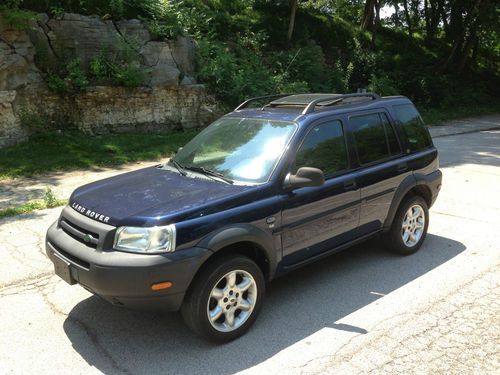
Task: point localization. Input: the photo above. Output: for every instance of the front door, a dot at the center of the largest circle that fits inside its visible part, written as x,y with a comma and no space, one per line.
317,219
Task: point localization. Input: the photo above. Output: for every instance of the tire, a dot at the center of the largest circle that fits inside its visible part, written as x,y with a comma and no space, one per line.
395,237
211,293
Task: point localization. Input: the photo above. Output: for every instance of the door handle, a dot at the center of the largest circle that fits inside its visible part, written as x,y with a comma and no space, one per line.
350,185
403,167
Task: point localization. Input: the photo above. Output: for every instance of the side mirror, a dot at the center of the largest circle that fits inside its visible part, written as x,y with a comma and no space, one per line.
179,149
305,177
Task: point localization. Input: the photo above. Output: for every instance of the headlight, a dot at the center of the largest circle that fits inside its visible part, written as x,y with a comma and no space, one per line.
146,240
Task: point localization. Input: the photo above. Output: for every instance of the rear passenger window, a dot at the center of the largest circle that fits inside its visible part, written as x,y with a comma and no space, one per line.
413,127
323,148
375,137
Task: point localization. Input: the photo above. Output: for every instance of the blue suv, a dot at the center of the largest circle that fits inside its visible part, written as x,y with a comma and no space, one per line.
263,190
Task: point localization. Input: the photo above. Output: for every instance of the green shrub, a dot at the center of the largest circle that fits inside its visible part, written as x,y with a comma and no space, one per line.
383,85
105,70
56,11
70,77
56,83
33,120
18,18
76,77
305,64
340,77
49,198
128,75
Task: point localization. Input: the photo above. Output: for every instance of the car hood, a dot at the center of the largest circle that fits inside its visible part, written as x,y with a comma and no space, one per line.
152,196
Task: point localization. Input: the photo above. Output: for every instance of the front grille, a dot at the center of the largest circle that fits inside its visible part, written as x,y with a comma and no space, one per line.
71,258
80,234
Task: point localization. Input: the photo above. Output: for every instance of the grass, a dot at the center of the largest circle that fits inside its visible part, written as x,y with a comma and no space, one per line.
69,151
437,116
48,201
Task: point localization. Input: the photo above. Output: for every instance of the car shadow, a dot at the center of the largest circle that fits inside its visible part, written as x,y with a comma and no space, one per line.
296,306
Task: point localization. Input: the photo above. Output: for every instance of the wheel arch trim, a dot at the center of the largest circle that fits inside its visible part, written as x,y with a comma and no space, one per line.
233,234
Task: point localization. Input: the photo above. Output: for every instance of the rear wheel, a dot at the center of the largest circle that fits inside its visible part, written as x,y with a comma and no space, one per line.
409,227
225,298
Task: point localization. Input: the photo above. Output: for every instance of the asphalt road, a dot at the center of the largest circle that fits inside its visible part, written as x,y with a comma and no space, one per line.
362,310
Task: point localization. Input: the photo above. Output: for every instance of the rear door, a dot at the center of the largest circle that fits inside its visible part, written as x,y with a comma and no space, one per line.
317,219
380,167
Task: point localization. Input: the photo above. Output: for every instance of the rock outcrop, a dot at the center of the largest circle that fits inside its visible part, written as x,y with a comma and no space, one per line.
170,98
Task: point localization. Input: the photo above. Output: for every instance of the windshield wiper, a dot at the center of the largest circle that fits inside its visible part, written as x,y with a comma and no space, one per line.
209,172
179,167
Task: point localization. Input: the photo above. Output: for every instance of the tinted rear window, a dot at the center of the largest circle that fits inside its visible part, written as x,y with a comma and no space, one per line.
413,127
375,138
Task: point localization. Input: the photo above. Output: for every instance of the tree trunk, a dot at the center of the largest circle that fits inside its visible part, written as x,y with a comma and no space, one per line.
368,15
465,40
407,16
376,24
475,51
396,15
479,10
464,55
427,18
291,25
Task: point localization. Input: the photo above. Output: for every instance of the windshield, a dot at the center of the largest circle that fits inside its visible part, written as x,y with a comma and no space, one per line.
239,148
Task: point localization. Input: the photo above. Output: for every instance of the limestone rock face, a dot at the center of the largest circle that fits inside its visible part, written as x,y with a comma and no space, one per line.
17,68
163,62
170,98
183,52
81,36
133,30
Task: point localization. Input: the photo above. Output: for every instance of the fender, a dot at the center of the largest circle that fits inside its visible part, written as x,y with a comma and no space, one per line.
406,185
432,182
232,234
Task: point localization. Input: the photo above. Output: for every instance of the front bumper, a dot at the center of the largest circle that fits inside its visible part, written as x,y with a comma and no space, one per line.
123,279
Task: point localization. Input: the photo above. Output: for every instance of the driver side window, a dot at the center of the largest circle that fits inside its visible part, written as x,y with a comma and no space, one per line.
323,148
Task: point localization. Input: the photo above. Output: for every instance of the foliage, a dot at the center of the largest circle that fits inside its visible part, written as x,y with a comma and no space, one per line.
105,70
69,150
49,200
383,85
69,77
49,197
33,120
17,18
120,68
439,53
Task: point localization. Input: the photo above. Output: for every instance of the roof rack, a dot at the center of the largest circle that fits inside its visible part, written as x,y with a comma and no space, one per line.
247,102
336,99
310,102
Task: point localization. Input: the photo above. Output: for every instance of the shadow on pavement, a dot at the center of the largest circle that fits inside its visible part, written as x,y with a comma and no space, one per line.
297,305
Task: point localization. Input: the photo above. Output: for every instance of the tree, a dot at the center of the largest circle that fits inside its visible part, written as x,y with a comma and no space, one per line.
293,11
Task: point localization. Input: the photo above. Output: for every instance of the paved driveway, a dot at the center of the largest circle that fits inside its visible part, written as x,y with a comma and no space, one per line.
362,310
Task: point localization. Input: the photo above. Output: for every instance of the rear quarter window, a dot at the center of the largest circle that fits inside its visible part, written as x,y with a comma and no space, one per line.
413,127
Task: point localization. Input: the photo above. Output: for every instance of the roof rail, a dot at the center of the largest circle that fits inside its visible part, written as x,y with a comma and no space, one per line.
337,98
247,102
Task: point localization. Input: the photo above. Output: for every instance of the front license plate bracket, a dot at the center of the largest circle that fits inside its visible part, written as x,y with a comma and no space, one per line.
62,269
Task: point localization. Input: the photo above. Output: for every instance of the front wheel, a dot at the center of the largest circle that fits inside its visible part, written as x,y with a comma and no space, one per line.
225,298
409,227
